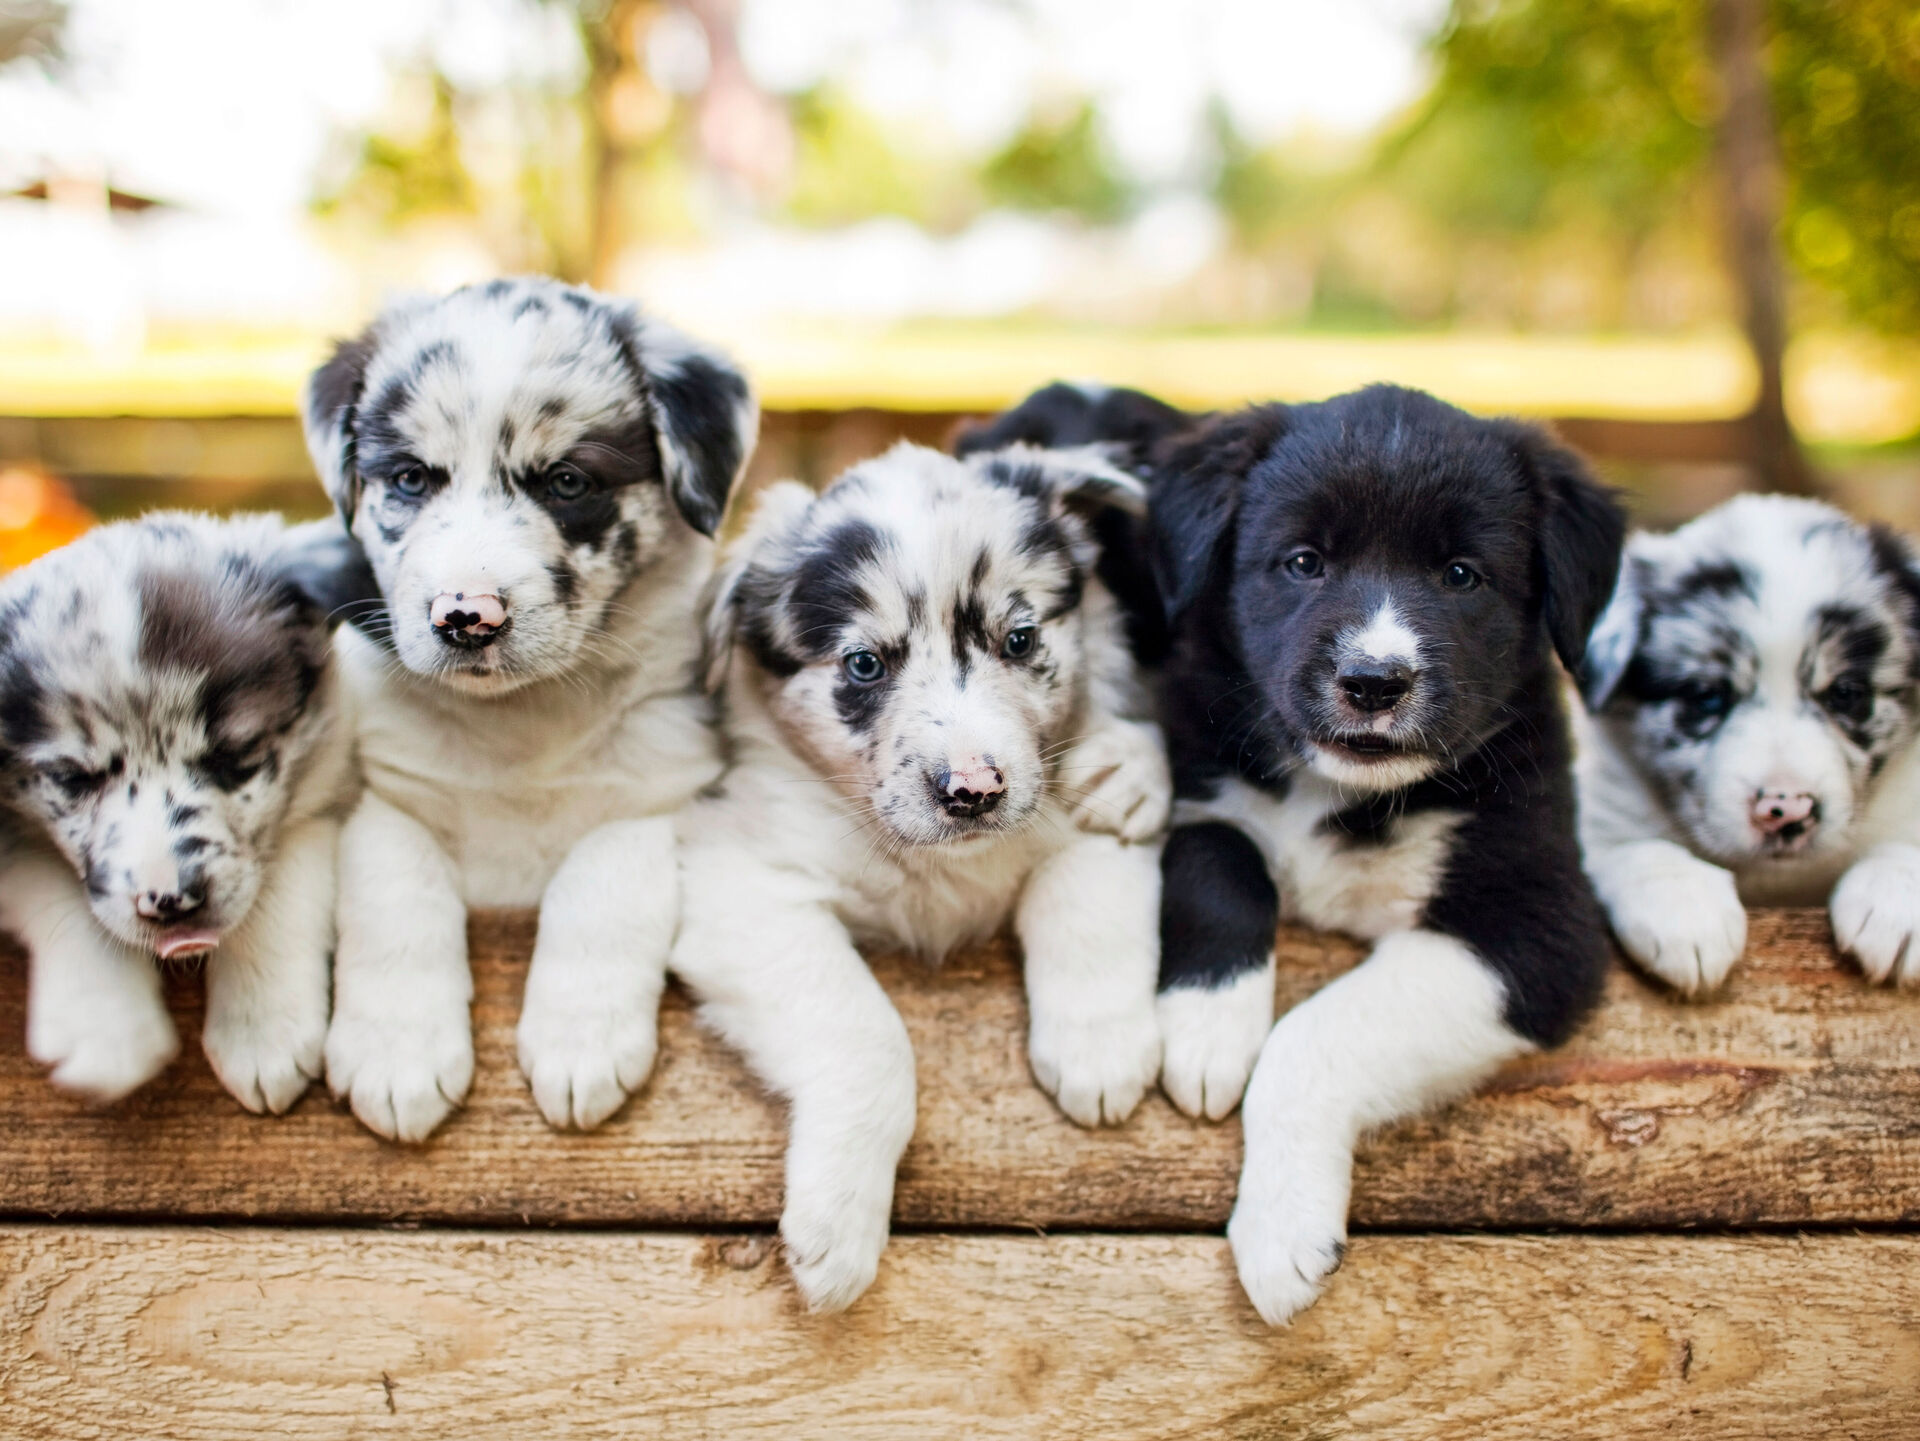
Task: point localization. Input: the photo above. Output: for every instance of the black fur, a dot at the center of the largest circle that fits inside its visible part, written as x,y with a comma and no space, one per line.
1218,906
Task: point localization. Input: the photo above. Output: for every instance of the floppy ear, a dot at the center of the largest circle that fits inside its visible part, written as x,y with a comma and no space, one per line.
703,412
327,568
1581,531
1196,494
1615,636
1083,478
327,413
1894,554
1128,422
776,510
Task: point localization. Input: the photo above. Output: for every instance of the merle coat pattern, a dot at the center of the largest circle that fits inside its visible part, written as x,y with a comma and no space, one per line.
1365,598
174,763
935,727
535,472
1756,694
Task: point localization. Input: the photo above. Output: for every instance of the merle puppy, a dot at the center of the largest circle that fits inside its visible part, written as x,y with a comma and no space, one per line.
935,728
1361,702
535,472
1756,689
175,765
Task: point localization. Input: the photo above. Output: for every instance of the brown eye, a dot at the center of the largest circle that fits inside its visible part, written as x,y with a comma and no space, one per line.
1019,643
1849,697
1460,576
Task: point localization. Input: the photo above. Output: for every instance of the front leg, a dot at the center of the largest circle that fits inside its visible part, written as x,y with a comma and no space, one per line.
1085,922
400,1049
266,1028
1116,779
1421,1021
779,980
1218,913
1678,916
94,1010
1876,913
588,1023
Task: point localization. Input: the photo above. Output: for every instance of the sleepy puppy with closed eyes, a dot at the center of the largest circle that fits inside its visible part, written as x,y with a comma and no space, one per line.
935,727
535,472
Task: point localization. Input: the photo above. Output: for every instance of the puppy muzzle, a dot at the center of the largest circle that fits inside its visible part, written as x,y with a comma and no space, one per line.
468,620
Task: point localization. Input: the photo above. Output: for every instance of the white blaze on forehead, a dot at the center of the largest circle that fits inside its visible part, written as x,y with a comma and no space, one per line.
1385,637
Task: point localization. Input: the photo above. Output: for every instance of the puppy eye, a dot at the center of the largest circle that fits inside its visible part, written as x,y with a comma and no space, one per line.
411,482
229,767
1849,697
1305,565
566,482
1706,701
76,781
1019,643
863,667
1460,576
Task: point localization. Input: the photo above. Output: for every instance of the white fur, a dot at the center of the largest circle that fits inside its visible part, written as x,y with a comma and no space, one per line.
1210,1037
1385,637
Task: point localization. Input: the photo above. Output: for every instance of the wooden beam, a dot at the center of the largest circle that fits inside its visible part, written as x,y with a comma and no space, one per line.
322,1334
1794,1098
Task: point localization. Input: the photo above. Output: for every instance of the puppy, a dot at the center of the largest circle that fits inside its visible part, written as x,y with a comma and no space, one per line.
535,471
928,699
1753,685
175,765
1366,596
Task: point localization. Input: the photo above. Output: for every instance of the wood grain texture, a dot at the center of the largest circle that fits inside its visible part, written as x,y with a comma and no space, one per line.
1794,1098
319,1334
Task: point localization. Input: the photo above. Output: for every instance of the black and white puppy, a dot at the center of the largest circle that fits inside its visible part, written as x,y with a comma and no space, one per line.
534,471
1366,595
175,767
1756,689
935,727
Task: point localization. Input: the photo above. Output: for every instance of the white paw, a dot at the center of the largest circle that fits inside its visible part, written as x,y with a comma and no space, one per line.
267,1062
1876,915
1289,1234
1096,1069
403,1075
1117,781
101,1046
583,1060
1681,918
1209,1040
834,1234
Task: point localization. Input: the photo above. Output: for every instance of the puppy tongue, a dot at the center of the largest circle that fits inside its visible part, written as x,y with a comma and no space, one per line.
176,945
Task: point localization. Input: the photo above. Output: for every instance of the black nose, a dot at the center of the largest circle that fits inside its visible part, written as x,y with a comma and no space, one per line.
1370,686
961,800
168,905
463,631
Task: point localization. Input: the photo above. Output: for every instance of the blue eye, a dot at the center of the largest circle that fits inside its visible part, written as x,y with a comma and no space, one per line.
565,482
1707,701
1460,576
1019,643
1305,565
863,667
411,482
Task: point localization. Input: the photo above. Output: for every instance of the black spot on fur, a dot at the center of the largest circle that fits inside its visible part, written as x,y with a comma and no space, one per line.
827,590
1721,579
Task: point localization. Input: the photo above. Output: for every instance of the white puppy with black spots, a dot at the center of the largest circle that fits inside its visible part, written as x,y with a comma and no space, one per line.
1756,692
935,727
534,471
175,764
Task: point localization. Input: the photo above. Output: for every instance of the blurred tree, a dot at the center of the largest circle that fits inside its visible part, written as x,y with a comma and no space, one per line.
1059,162
394,178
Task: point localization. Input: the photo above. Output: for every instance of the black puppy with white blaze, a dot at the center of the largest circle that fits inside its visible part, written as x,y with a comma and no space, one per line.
1365,597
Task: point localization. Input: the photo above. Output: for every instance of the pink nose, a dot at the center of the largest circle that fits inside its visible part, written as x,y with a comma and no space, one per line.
469,612
972,789
1775,810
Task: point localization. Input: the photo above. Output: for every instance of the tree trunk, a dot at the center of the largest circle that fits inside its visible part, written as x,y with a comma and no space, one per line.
1751,184
607,41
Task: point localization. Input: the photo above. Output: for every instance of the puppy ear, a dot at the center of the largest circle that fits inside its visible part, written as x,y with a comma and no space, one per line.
1196,494
1615,636
1581,531
1083,478
327,413
328,570
776,511
703,412
1127,422
1895,557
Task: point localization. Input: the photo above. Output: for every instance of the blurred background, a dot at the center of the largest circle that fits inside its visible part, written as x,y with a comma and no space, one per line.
1687,231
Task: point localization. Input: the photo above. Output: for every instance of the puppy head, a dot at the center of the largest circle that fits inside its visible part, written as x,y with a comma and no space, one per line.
1393,569
1760,664
159,695
512,456
917,629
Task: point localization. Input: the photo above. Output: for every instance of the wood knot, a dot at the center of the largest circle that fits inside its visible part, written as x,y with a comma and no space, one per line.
1628,1128
745,1253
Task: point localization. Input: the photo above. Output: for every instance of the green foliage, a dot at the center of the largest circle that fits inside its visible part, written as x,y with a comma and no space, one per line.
1059,163
393,179
847,168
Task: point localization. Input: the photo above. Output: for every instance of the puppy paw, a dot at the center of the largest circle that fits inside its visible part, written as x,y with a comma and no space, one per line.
1288,1236
1680,918
267,1062
1876,915
1118,781
1209,1040
402,1076
102,1047
1096,1070
583,1061
834,1242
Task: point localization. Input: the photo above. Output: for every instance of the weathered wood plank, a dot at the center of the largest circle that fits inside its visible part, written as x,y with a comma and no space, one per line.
478,1335
1794,1098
